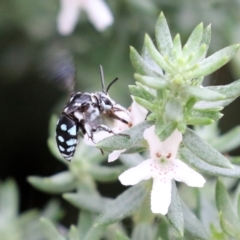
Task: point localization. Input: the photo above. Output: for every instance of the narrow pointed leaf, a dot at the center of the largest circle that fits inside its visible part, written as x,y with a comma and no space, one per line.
152,82
121,236
196,56
57,183
118,142
195,121
142,92
177,46
95,233
206,38
105,174
194,161
163,36
124,205
238,206
230,221
73,233
146,104
203,150
193,225
206,114
89,202
228,141
215,61
231,90
156,55
204,93
175,215
213,106
142,231
193,41
163,132
50,230
140,65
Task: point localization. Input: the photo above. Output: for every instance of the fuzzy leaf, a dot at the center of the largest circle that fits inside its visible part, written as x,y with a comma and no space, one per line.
163,132
193,225
177,46
124,205
204,93
175,215
58,183
142,92
142,231
105,174
156,55
118,142
89,202
199,121
50,230
229,221
73,233
146,104
206,114
121,236
95,233
231,90
196,56
213,106
197,163
163,36
206,38
215,61
152,82
203,150
140,65
193,41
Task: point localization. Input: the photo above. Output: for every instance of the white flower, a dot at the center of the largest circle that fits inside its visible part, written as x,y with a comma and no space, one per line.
97,11
135,115
162,167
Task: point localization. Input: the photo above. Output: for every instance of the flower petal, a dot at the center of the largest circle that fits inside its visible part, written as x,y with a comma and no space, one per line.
138,113
161,196
115,155
187,175
136,174
68,16
97,136
99,14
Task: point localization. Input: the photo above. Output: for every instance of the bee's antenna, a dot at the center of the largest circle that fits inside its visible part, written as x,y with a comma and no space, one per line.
102,79
111,83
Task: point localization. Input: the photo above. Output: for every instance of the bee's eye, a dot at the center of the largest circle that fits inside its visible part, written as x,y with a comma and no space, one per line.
107,101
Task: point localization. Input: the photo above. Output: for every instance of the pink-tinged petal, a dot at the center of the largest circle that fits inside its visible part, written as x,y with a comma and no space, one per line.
136,174
138,113
68,16
161,196
115,155
183,173
99,14
156,147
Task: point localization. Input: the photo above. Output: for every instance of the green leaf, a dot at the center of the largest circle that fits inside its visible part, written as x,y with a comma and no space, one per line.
229,221
231,90
146,104
193,225
164,131
204,93
162,229
206,114
213,106
203,150
73,233
9,205
105,174
142,231
193,41
89,202
215,61
177,46
95,233
228,141
140,65
163,36
121,236
50,230
142,92
173,110
196,56
191,159
238,205
175,215
124,205
156,55
199,121
58,183
118,142
206,38
152,82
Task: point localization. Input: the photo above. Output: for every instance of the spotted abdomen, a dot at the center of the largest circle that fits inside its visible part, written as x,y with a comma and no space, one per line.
67,136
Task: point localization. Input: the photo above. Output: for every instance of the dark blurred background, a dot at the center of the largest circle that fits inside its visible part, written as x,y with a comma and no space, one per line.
30,50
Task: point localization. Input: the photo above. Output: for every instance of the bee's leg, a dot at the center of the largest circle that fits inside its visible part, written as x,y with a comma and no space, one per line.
109,130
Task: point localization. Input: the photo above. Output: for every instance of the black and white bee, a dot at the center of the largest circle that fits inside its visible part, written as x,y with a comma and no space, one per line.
84,114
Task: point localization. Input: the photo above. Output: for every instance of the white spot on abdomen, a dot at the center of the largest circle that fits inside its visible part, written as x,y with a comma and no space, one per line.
60,138
73,131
